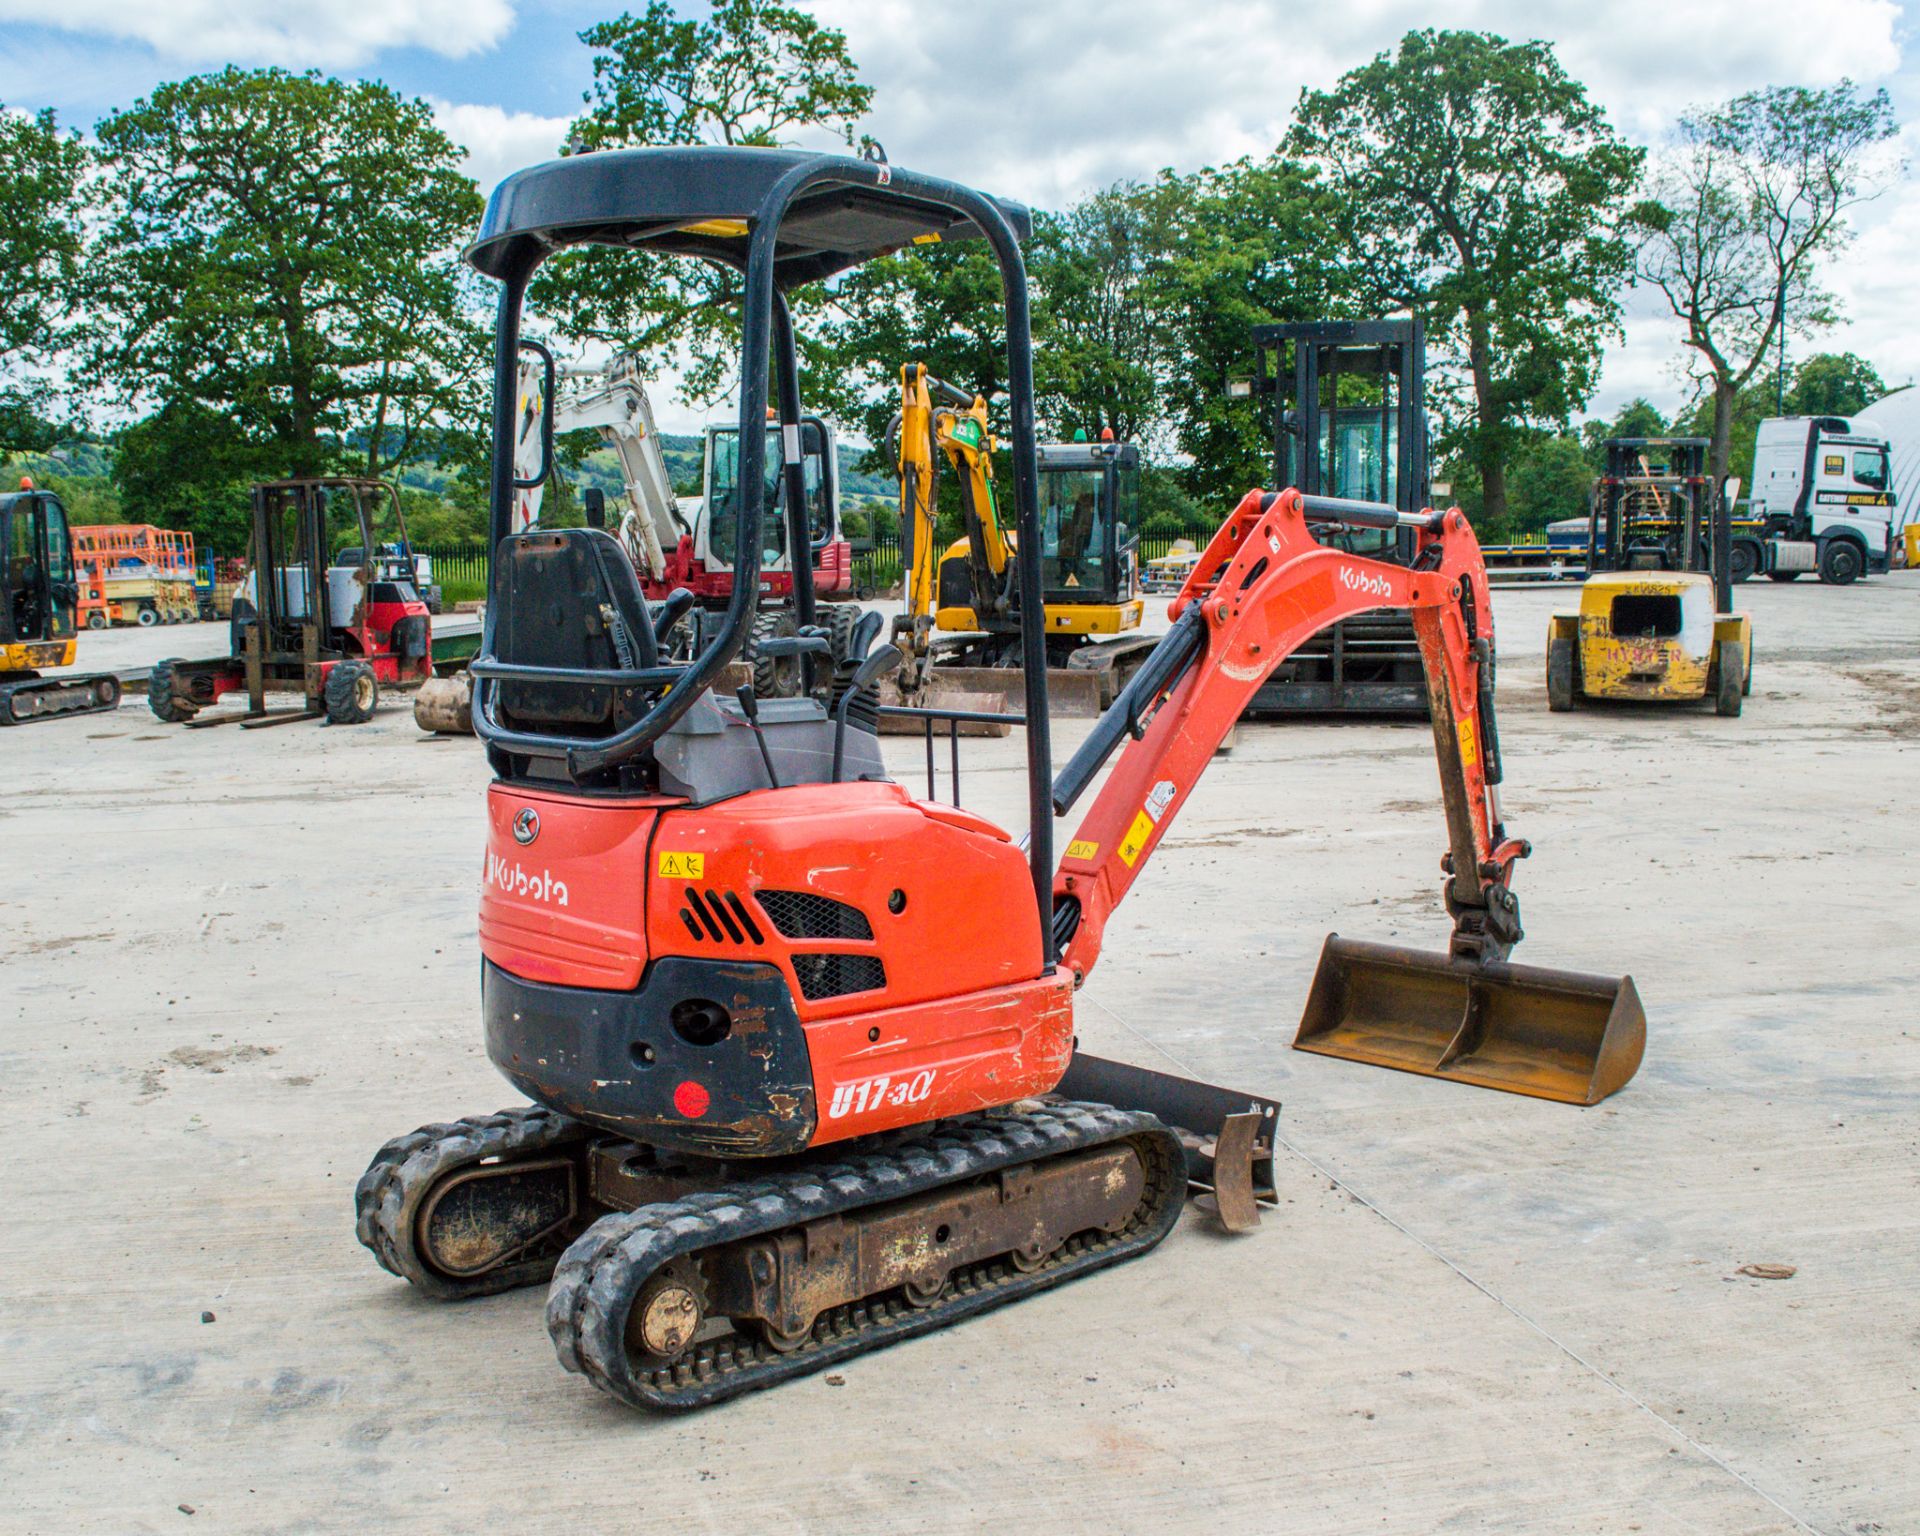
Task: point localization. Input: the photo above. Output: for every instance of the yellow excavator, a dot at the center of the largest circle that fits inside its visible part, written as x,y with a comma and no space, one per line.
961,626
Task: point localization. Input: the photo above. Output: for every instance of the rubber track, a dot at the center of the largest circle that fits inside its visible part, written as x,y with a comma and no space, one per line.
59,689
387,1200
602,1273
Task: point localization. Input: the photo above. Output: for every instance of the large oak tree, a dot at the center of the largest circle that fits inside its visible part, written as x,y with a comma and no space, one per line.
282,259
42,195
1474,182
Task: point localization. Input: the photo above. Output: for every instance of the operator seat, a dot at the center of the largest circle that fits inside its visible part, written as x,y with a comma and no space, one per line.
569,597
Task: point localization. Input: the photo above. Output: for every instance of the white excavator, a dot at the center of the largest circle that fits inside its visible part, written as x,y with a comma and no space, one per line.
684,544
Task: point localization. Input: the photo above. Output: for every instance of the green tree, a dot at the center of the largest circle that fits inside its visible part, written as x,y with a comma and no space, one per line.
188,466
1747,202
1834,384
937,304
1235,246
753,73
1637,418
1549,479
278,277
42,203
1825,384
1095,349
1476,183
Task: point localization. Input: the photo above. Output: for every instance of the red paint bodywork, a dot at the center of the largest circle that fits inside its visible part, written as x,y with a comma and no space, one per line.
832,574
969,1016
967,1020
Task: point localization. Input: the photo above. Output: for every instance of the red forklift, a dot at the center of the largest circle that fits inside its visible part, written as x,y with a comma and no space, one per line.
323,613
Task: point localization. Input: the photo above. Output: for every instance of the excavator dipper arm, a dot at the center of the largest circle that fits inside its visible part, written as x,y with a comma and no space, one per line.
1263,586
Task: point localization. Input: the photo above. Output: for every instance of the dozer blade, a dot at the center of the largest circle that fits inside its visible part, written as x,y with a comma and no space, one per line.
1519,1028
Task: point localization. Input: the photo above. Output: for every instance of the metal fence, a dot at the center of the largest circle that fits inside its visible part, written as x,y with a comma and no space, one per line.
460,568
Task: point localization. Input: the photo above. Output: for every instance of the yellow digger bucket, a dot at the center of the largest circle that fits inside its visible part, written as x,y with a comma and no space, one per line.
1519,1028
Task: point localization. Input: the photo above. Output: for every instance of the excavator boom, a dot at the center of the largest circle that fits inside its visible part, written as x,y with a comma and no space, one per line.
1263,586
618,408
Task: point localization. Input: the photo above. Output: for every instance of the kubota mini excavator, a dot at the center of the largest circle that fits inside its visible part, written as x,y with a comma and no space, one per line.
802,1043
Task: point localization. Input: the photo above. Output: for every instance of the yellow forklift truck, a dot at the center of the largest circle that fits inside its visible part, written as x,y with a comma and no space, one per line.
1656,620
39,595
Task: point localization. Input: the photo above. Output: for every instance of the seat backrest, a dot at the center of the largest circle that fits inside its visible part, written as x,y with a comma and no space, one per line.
568,597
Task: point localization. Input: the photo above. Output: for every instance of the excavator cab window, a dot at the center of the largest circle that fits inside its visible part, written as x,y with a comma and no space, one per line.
1074,511
61,592
723,491
24,570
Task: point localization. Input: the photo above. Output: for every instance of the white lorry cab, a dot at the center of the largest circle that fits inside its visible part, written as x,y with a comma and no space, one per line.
1821,500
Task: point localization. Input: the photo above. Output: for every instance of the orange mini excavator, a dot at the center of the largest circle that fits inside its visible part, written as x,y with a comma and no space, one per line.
801,1044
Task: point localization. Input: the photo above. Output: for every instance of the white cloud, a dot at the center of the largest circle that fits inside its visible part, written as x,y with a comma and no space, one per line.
1047,103
499,142
329,33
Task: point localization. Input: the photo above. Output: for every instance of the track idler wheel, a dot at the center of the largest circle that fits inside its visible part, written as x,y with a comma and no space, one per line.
667,1315
481,1205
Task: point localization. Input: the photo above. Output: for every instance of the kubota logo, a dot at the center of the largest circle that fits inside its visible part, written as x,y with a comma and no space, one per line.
1360,581
535,885
526,826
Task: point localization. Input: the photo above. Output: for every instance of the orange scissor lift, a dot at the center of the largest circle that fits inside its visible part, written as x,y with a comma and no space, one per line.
134,573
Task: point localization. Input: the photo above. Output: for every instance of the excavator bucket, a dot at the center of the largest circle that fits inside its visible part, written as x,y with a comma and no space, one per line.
1519,1028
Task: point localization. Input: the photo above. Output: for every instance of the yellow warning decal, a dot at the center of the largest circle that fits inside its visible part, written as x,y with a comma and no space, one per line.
1136,839
1469,748
1083,850
683,866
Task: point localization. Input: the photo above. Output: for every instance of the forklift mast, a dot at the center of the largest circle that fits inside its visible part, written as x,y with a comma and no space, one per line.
1349,422
1364,450
1650,502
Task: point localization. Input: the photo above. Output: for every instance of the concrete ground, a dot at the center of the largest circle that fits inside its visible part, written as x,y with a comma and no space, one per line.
128,649
237,964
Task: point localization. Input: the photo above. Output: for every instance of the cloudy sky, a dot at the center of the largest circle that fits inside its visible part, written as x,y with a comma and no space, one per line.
1044,102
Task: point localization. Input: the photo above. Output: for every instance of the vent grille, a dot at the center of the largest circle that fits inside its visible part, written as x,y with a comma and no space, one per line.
823,976
718,917
803,915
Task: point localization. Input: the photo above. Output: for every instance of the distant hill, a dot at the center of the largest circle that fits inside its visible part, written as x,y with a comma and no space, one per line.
683,454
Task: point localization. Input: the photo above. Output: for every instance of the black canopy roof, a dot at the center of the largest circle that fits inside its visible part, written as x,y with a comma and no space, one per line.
695,200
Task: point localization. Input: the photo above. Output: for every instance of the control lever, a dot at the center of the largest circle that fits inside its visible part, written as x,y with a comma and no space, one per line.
750,707
669,613
871,668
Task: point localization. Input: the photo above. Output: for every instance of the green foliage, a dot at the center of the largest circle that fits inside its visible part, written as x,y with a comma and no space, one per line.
1747,202
1237,246
1637,418
936,304
280,255
1834,384
1825,384
1094,322
1474,182
188,466
42,204
752,74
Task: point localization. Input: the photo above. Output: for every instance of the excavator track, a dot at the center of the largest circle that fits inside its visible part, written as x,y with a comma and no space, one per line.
408,1178
46,698
629,1294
